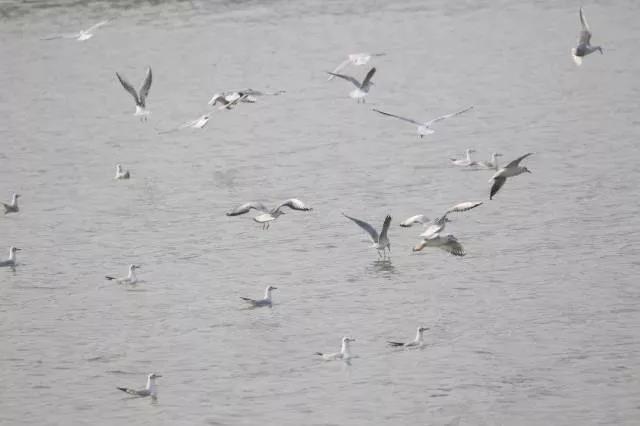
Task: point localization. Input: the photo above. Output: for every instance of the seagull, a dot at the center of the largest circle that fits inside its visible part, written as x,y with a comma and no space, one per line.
362,89
149,390
129,279
510,170
198,123
268,215
81,35
141,96
466,162
448,243
120,173
437,225
344,354
380,242
12,207
584,47
11,261
424,128
491,164
257,303
418,341
355,59
229,99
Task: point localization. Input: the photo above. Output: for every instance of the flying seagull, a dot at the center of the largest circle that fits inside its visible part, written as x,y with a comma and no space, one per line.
198,123
344,354
268,215
141,96
129,279
11,261
121,173
465,162
584,47
424,128
362,89
355,59
418,341
81,35
448,243
510,170
380,242
491,164
149,390
437,225
12,207
266,301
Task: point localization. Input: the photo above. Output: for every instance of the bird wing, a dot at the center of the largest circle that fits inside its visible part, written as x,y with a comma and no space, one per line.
497,184
453,246
444,117
294,204
346,77
130,391
419,218
463,207
368,77
432,230
395,344
252,301
96,26
128,87
517,161
385,228
244,208
229,104
409,120
585,33
373,234
338,68
146,85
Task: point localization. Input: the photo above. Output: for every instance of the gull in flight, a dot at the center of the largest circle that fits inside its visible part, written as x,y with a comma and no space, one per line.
121,173
510,170
344,354
584,47
491,164
362,89
448,243
150,389
465,162
424,127
198,123
12,207
355,59
266,301
141,96
418,341
228,100
11,261
437,225
129,279
267,215
81,35
380,242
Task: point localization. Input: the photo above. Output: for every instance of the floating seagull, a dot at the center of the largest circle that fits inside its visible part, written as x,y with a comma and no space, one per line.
129,279
344,354
448,243
380,242
510,170
418,341
466,162
257,303
362,89
267,215
82,35
424,128
12,207
584,47
120,173
141,96
491,164
149,390
11,261
355,59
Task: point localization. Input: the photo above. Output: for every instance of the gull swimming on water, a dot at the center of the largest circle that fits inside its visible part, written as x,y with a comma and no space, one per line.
355,59
266,301
424,128
344,354
362,89
465,162
12,207
11,261
267,215
81,35
491,164
121,173
584,47
139,97
131,278
380,242
418,341
510,170
149,390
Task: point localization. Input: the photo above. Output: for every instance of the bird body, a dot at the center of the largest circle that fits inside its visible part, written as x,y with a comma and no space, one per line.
12,207
380,241
362,88
140,97
447,243
81,35
465,162
344,354
268,215
131,278
266,301
424,128
418,341
121,173
584,46
491,164
11,261
510,170
150,389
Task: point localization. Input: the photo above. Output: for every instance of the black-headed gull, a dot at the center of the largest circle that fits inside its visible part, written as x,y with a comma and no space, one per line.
12,207
121,173
131,278
584,47
510,170
150,389
11,261
362,89
81,35
139,97
380,241
448,243
418,341
268,215
465,162
424,127
266,301
344,354
491,164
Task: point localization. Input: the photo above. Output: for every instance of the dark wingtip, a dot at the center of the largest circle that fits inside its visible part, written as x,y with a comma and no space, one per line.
122,389
109,278
318,353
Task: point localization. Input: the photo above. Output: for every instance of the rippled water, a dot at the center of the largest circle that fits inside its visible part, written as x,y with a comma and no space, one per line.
538,324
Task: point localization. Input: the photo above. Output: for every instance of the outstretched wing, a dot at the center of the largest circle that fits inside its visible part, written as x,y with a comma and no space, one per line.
246,207
128,87
146,85
346,77
419,218
294,204
96,26
368,77
230,104
463,207
373,234
409,120
585,33
517,161
338,68
444,117
453,246
498,182
385,228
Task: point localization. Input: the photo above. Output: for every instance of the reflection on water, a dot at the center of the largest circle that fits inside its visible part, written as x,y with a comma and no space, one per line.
383,266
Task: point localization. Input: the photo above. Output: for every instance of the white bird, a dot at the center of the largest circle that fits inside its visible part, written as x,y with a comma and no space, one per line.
131,278
11,261
465,162
362,89
150,389
344,354
139,97
491,164
230,99
268,215
81,35
510,170
380,242
198,123
419,218
448,243
424,127
584,47
266,301
121,173
12,207
355,59
418,341
437,224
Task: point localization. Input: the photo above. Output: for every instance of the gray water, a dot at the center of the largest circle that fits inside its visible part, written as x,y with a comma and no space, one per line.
538,324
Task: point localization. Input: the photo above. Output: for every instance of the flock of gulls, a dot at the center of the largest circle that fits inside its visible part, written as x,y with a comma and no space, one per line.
433,229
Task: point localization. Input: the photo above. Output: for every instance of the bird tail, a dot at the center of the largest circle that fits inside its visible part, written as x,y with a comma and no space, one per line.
395,344
109,278
123,389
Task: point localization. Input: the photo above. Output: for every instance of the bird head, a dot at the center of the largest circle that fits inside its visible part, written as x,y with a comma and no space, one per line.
422,329
347,339
154,376
524,169
15,249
